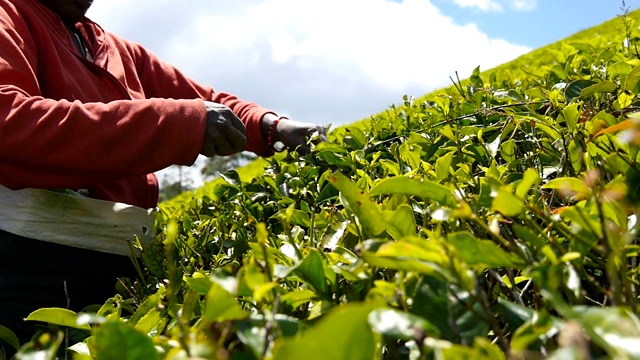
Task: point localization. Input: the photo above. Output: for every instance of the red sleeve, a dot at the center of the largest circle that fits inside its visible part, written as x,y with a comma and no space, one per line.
46,143
174,84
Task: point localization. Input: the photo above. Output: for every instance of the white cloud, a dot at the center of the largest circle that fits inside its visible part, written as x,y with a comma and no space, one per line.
497,6
331,61
524,5
484,5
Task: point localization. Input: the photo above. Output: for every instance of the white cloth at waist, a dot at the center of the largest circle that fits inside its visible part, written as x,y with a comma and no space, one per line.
75,220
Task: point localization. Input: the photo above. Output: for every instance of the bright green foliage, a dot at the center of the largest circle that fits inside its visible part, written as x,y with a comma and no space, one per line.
57,316
494,219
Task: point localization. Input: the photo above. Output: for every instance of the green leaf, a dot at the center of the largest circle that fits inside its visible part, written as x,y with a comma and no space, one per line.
149,304
571,114
401,222
515,315
331,147
200,284
328,192
619,68
300,218
253,333
150,321
298,297
410,254
444,102
391,166
443,166
475,78
604,86
531,237
529,180
631,83
574,90
568,184
507,203
116,340
9,337
359,203
417,187
535,330
57,316
357,135
460,352
311,271
332,158
343,334
617,330
232,177
507,150
481,252
401,325
448,133
220,305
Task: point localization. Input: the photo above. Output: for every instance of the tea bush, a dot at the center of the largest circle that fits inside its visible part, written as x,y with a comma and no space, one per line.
495,219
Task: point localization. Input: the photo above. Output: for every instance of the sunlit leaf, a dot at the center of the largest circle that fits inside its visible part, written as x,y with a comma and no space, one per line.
344,334
416,187
481,252
529,180
615,329
507,150
401,222
632,80
571,114
624,125
57,316
401,325
568,186
574,89
604,86
443,166
507,203
356,200
537,329
220,305
253,331
410,254
116,340
311,271
298,297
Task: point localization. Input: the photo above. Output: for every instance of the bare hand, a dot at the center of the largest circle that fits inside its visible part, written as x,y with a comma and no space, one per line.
225,133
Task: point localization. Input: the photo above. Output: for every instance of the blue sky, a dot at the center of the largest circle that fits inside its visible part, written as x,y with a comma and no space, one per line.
340,61
548,21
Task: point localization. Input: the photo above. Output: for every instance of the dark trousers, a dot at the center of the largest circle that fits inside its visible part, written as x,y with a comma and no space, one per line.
36,274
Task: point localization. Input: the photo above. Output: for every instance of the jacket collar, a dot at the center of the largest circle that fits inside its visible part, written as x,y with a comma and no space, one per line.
93,34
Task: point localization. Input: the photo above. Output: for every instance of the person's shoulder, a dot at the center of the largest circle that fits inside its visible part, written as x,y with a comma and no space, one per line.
7,7
31,11
18,6
13,13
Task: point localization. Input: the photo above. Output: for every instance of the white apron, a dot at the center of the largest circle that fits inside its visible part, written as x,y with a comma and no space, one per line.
75,220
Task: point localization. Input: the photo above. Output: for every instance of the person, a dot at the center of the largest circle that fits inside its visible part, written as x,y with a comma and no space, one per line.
86,118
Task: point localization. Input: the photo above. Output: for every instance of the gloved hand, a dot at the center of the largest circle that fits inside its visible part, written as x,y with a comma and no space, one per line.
225,133
294,134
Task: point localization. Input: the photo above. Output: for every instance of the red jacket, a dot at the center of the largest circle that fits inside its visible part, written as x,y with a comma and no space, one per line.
106,125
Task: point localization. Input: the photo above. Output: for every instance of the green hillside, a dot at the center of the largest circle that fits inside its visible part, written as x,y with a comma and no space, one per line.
493,219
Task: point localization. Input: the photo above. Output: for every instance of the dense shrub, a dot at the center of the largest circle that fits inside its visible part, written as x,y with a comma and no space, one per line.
496,219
